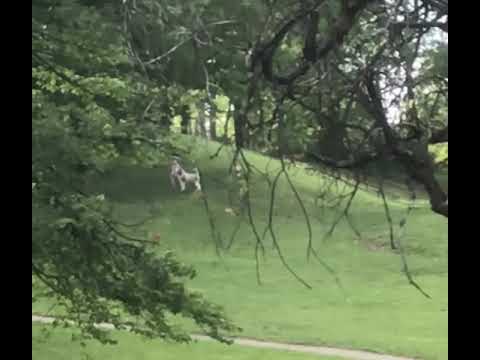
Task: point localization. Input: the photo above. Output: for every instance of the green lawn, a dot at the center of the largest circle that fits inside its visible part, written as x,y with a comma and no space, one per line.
375,309
57,345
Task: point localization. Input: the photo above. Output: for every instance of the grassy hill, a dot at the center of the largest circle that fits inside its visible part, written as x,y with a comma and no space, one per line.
372,308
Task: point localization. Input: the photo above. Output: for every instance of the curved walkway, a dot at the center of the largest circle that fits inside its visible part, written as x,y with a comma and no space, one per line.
310,349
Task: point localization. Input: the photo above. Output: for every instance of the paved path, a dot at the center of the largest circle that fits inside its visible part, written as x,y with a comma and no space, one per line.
310,349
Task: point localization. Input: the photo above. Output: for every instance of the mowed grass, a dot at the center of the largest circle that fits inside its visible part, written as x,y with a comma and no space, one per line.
372,307
57,344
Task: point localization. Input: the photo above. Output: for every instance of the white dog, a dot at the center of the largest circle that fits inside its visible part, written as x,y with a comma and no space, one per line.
183,177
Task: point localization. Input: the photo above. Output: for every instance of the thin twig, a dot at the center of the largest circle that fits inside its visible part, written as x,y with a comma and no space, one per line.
213,156
387,216
234,233
126,236
272,232
259,244
345,210
400,245
137,224
216,236
302,206
158,58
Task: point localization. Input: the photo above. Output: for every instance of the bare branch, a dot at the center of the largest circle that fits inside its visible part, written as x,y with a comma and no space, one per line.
423,25
264,54
413,156
358,162
439,136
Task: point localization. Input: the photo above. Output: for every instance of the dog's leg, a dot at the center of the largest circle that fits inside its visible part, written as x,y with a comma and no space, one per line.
182,184
172,181
198,186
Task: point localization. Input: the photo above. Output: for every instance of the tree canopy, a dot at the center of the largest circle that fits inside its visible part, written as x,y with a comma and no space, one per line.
341,84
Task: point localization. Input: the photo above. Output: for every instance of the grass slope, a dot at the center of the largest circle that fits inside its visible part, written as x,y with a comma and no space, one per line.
374,309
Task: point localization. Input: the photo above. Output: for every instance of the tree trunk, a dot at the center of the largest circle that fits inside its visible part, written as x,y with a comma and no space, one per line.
239,122
201,120
213,121
166,117
186,119
331,141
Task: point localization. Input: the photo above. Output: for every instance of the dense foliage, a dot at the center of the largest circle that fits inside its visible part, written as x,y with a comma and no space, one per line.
88,105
